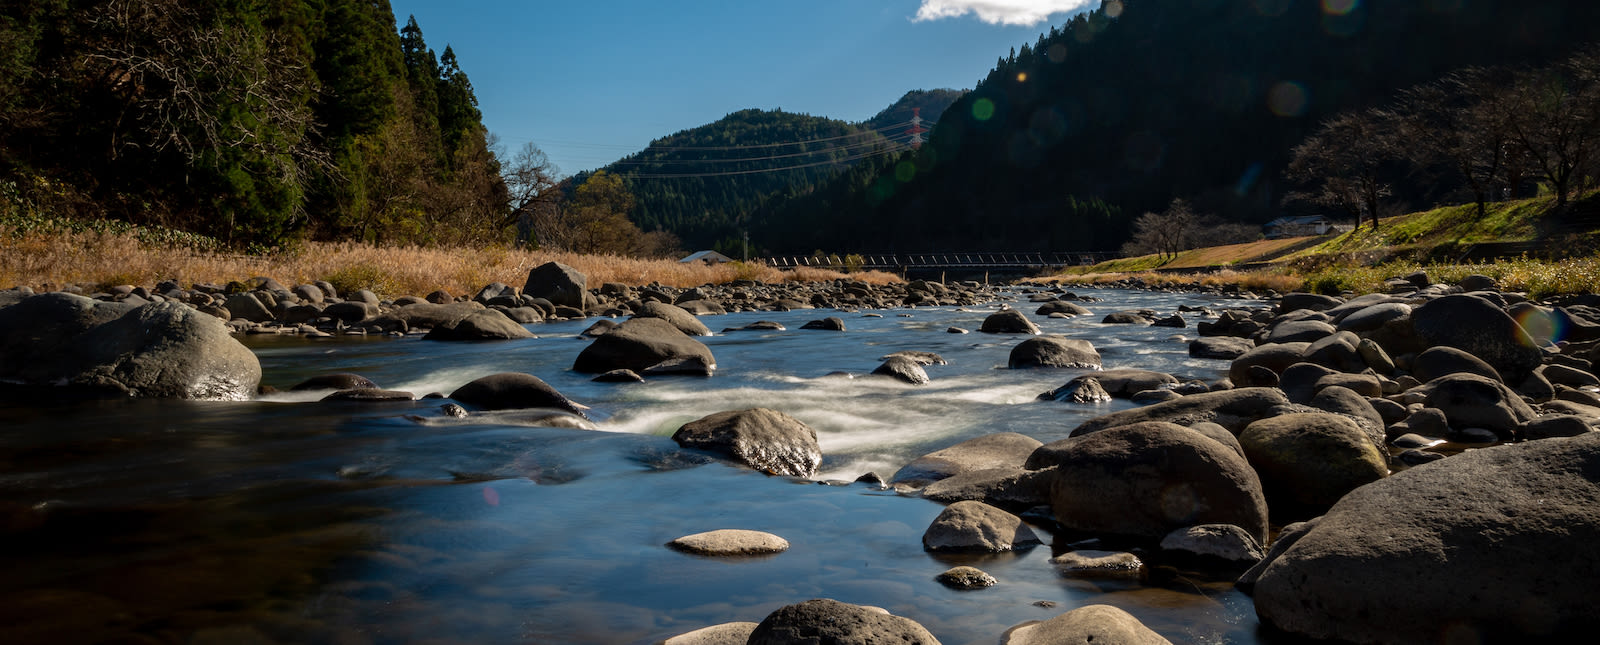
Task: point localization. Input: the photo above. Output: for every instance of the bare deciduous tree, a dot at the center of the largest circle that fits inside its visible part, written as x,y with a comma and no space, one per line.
1343,163
1556,120
531,193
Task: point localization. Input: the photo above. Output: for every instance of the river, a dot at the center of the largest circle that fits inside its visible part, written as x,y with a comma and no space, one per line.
286,520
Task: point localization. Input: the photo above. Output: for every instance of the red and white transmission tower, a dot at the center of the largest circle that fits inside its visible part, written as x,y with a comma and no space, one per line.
916,128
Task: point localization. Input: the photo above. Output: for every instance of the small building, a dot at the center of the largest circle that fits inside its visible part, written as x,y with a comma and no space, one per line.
1297,227
706,257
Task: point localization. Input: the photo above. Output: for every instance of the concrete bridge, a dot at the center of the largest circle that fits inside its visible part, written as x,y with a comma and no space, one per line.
949,260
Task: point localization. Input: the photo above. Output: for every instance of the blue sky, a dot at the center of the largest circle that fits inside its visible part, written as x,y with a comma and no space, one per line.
590,81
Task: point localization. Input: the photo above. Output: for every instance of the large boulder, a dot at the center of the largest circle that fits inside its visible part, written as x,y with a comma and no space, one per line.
157,350
1480,328
637,344
1473,401
999,450
560,284
1097,624
830,622
1308,461
1223,347
512,391
683,320
1055,351
761,438
973,526
1275,357
482,324
1009,321
1126,382
1061,307
1231,409
904,369
1146,480
1493,545
424,315
1436,362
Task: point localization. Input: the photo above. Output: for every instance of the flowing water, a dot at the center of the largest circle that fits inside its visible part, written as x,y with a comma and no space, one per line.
286,520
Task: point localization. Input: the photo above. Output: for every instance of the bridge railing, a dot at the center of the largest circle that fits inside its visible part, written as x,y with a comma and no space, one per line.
948,259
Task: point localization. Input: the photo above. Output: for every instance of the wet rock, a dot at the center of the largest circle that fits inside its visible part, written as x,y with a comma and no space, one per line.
957,330
1009,321
157,350
370,395
1056,352
599,328
1128,382
1061,307
1175,321
825,621
1213,544
350,312
1008,488
761,438
1098,564
1382,567
637,344
522,315
1125,318
1154,396
558,283
483,324
681,366
1308,461
1481,329
966,578
619,376
1083,390
831,323
724,634
1146,479
1088,624
904,370
999,450
730,542
972,526
513,390
1472,401
341,381
703,307
683,320
1231,409
759,325
1222,347
920,358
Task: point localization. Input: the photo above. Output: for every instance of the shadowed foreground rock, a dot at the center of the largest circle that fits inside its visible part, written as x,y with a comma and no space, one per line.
1097,624
764,439
159,350
513,390
830,622
1494,545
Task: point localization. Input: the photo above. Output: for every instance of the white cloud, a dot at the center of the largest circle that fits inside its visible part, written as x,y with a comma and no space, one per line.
998,12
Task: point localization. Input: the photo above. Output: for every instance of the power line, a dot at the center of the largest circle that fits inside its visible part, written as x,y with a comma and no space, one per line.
791,155
894,148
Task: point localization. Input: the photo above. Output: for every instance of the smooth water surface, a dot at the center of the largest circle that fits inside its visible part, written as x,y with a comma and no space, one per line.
293,521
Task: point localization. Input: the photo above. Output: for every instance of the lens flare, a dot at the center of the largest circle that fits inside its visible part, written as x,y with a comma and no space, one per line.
905,171
1288,99
1542,327
983,109
1339,7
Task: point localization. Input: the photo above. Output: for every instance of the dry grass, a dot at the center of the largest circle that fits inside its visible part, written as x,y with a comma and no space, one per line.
1279,280
48,260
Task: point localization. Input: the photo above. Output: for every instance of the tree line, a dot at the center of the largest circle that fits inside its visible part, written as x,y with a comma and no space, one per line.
253,122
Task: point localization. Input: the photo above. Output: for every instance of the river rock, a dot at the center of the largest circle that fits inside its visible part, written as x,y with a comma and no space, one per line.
830,622
920,358
482,324
514,390
831,323
558,283
340,381
1298,331
1009,321
1096,624
1473,401
1125,318
1213,544
1337,351
966,578
1275,357
998,450
1373,317
1478,327
1223,347
1345,401
759,325
1061,307
976,527
737,633
683,320
1309,301
1506,552
681,366
370,395
1231,409
248,307
1436,362
1308,461
761,438
1054,351
703,307
1568,376
637,344
1554,425
903,369
730,542
157,350
1013,488
1084,390
1127,382
1147,479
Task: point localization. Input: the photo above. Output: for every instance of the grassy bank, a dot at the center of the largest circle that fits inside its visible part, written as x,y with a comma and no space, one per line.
47,259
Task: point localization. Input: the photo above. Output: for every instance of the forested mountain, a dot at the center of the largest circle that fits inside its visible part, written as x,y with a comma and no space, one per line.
254,122
1124,108
707,184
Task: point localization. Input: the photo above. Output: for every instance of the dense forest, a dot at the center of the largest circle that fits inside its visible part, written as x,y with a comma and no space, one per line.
707,185
255,122
1125,108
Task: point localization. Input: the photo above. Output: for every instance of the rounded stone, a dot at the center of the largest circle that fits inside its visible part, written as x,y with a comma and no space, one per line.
728,542
830,621
1096,624
1009,321
1308,461
966,578
973,526
1056,352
